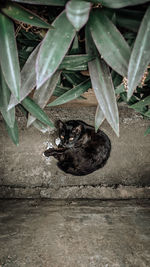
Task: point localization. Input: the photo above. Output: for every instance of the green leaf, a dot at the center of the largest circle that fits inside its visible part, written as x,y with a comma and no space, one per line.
130,24
75,49
109,42
109,13
59,90
103,86
99,118
37,124
74,61
74,78
53,49
19,13
9,116
42,95
40,126
119,89
147,131
117,79
148,77
9,55
129,19
23,110
13,133
119,3
28,79
147,114
78,13
141,104
77,68
140,56
43,2
36,111
72,94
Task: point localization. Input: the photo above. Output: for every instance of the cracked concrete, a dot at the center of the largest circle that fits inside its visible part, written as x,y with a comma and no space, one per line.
25,172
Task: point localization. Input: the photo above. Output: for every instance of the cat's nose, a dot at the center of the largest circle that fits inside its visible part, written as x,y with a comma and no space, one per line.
64,144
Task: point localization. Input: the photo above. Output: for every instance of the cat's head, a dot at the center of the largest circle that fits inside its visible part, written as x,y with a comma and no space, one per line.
69,132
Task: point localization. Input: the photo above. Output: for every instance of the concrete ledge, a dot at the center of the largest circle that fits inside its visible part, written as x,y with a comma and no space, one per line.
25,172
77,192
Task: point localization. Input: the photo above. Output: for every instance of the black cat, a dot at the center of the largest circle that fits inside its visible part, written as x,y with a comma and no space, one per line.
81,150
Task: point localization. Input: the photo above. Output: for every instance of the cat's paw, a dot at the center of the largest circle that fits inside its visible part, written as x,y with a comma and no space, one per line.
49,152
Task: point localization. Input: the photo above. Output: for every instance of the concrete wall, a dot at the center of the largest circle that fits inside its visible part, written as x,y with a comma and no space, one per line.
25,172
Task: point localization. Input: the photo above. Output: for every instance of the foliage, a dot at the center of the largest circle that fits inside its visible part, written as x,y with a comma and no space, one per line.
45,46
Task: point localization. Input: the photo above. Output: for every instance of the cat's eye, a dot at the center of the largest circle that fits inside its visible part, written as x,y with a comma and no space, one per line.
62,137
71,139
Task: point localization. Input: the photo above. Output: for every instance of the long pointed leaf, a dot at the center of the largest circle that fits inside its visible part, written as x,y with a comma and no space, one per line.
9,55
43,2
74,61
147,131
9,116
141,104
78,13
84,66
37,124
72,94
129,19
28,79
13,133
75,49
103,86
53,49
36,111
19,13
109,42
42,95
74,78
40,126
99,118
119,3
147,114
60,91
140,56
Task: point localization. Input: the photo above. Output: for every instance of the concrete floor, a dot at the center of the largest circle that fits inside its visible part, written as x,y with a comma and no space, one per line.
26,173
74,233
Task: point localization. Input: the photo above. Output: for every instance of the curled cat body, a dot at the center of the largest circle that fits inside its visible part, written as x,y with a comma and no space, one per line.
81,150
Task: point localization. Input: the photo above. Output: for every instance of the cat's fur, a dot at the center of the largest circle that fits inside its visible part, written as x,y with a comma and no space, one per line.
81,150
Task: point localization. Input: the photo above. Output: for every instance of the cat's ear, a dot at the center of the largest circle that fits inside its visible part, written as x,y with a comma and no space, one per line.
78,129
59,124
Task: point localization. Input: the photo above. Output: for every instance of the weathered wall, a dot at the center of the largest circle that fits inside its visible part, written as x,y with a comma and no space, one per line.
25,172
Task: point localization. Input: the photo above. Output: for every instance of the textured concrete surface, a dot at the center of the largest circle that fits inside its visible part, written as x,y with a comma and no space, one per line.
77,234
25,172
